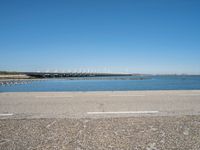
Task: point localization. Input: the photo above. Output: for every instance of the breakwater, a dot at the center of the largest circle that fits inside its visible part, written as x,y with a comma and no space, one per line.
14,82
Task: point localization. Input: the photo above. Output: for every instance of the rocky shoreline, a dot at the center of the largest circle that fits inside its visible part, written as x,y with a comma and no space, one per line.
8,82
14,82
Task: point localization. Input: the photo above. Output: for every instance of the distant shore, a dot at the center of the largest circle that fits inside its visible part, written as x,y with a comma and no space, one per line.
16,78
13,78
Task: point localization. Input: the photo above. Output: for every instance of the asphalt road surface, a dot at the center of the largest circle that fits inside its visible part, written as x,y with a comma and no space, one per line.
149,120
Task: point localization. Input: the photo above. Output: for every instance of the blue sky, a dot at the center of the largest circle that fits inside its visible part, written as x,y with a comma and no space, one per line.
139,36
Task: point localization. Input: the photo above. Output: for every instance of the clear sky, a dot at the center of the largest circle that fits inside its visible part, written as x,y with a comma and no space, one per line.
139,36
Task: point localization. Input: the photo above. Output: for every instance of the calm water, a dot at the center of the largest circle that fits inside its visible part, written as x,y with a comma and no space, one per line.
108,84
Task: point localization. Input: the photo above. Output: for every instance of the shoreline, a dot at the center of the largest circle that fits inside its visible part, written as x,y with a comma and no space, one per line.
23,80
8,82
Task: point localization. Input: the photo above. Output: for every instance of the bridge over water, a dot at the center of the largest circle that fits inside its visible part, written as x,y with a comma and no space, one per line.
72,74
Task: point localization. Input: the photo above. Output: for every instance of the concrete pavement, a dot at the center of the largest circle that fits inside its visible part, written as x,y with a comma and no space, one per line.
99,104
136,120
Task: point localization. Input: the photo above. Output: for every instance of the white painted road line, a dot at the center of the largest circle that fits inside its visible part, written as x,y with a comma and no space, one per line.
189,95
127,95
54,96
3,115
122,112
